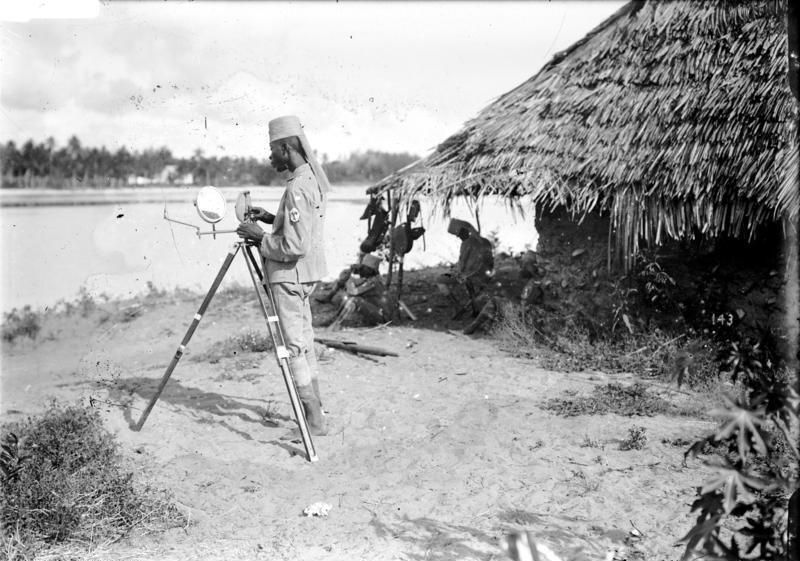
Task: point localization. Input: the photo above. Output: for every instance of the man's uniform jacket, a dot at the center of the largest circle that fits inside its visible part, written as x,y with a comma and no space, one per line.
293,251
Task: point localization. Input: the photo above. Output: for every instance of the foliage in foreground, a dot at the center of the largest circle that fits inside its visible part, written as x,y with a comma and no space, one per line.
743,511
62,482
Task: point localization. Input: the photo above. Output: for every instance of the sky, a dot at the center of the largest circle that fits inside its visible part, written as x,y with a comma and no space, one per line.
391,76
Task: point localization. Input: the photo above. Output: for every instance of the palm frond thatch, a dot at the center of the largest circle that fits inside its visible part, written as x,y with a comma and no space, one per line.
674,116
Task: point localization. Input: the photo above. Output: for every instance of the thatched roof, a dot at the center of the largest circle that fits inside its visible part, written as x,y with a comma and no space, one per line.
673,116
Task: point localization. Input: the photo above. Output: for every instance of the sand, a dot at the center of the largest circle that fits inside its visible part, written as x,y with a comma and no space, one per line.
434,454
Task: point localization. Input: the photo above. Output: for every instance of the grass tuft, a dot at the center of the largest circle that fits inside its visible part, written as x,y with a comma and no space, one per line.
249,341
69,487
628,401
636,440
568,346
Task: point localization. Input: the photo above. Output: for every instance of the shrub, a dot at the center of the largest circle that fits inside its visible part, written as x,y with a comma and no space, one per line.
63,482
743,510
20,323
656,286
636,440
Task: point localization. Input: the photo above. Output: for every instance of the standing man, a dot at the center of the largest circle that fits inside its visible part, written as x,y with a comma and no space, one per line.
294,260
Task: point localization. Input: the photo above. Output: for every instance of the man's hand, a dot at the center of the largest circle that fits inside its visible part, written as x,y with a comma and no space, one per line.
250,232
258,213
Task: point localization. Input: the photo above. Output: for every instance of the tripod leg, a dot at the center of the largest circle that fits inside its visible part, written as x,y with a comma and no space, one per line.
396,310
281,353
195,322
248,251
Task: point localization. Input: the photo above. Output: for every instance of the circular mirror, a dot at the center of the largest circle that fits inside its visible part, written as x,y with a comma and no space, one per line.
241,208
210,203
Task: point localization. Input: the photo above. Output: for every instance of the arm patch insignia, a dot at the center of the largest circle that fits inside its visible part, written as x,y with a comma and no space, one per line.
294,215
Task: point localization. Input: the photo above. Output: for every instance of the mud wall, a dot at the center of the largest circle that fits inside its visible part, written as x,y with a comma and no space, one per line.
720,286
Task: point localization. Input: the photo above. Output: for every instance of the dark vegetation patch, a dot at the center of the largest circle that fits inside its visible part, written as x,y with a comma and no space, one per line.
63,481
20,323
677,314
628,401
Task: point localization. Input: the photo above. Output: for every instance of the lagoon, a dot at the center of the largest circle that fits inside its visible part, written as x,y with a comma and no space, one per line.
116,242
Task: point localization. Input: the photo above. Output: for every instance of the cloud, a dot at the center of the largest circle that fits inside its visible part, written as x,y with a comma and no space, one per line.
25,96
211,75
50,9
112,96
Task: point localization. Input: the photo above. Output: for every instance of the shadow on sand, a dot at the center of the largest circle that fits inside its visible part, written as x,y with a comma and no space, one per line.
221,406
438,540
248,409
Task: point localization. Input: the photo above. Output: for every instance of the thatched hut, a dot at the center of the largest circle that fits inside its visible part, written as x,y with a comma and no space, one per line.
674,118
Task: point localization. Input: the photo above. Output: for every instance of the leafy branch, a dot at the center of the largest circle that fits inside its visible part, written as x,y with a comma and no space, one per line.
743,509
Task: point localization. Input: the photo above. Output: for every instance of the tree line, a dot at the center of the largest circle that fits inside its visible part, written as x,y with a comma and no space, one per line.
47,165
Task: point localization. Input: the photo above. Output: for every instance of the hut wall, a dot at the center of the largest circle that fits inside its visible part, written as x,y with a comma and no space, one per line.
728,287
723,287
560,235
573,257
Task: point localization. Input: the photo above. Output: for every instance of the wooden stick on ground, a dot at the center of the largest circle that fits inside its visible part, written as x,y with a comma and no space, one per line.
352,347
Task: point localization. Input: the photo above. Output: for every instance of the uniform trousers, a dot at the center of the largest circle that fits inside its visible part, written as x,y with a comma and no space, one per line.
293,303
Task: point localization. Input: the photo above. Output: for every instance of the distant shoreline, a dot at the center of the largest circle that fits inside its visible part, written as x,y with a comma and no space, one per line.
151,194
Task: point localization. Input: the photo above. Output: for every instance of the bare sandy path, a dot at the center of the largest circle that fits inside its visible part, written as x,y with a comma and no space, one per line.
432,455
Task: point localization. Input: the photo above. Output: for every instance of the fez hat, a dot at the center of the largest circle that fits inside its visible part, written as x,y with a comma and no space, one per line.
284,127
289,125
371,261
456,225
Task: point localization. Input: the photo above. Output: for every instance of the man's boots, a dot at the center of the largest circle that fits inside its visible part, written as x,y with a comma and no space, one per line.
315,385
301,372
313,412
310,401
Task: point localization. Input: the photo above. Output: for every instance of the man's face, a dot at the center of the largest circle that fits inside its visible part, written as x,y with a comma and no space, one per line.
279,156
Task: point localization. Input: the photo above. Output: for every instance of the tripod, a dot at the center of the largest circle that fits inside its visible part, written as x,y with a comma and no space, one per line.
274,327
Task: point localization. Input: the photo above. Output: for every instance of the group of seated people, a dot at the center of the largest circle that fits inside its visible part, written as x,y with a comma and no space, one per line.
360,291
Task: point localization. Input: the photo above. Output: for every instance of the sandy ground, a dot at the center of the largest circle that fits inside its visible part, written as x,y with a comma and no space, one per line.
435,454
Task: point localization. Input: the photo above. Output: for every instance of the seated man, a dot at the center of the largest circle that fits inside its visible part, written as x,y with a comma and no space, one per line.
365,267
532,272
494,302
366,295
474,269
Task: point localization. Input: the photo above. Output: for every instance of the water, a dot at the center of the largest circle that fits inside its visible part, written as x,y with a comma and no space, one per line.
51,252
